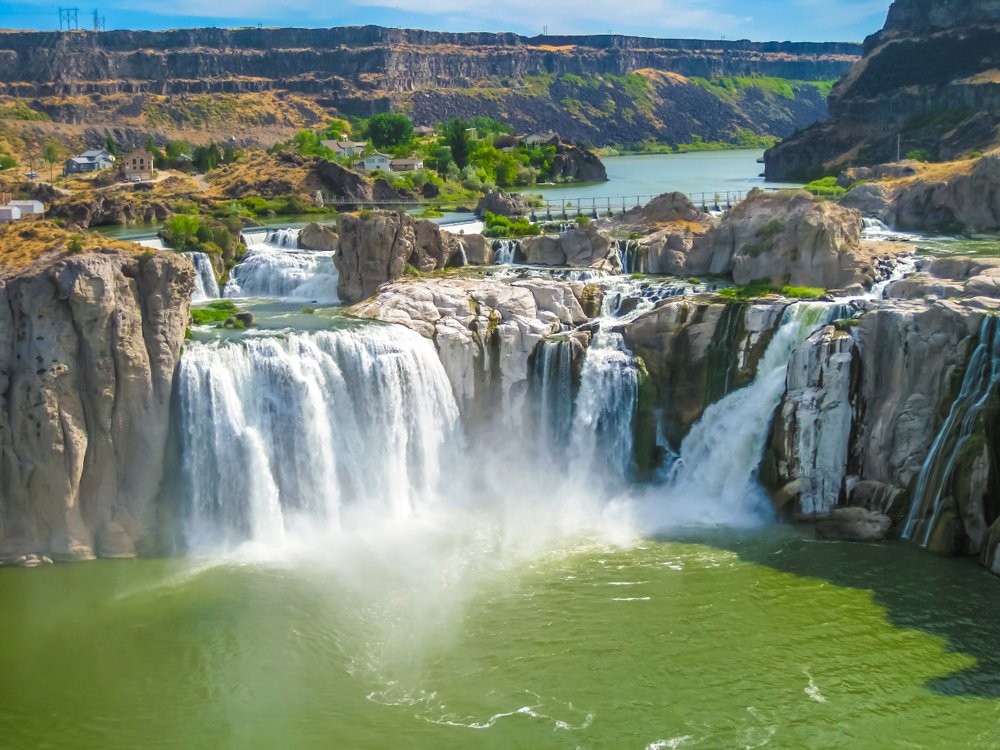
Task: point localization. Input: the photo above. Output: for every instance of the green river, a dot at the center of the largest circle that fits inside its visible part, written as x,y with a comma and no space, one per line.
726,640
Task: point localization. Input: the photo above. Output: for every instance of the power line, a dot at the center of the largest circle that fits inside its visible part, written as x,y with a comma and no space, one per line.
98,21
68,19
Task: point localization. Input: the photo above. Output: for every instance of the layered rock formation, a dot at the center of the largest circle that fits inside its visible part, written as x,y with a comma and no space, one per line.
928,80
88,348
580,247
436,75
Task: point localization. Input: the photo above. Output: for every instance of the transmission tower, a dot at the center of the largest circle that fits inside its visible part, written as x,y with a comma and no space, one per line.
68,19
98,21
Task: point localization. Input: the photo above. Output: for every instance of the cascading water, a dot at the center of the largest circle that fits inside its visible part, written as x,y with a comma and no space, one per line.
505,252
205,285
982,378
552,390
318,429
629,256
296,274
601,434
714,480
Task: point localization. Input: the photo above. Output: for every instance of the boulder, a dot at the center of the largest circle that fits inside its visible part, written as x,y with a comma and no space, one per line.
511,205
580,247
316,236
854,525
376,247
787,238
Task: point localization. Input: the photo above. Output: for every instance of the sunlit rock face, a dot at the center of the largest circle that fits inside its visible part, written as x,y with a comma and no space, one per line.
88,350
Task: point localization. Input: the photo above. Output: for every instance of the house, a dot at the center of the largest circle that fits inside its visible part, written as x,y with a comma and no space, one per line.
506,143
9,214
423,130
345,148
29,209
137,165
376,161
406,165
541,139
89,161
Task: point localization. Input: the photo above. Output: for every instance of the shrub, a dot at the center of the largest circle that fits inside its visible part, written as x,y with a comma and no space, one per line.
826,186
75,245
919,154
214,312
582,221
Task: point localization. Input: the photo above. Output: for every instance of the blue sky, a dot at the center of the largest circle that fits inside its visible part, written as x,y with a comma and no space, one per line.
760,20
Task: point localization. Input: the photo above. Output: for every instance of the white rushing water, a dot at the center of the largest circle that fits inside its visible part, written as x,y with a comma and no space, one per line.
275,267
311,429
205,285
982,378
714,480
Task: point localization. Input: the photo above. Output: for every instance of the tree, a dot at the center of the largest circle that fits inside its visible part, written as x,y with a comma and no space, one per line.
110,145
456,136
51,156
389,131
182,231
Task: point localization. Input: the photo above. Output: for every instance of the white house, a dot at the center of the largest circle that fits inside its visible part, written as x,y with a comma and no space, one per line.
376,161
29,209
406,165
345,148
9,214
536,139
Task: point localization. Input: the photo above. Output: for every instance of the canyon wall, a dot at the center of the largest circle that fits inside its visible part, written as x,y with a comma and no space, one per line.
930,80
89,345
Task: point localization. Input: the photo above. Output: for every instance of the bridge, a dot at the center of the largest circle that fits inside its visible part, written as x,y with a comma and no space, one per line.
553,209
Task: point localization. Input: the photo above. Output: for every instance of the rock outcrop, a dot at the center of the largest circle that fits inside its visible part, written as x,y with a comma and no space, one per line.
316,236
580,247
88,348
927,81
485,329
965,200
788,238
500,203
377,247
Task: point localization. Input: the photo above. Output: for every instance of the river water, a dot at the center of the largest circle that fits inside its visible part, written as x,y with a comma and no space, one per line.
768,639
359,564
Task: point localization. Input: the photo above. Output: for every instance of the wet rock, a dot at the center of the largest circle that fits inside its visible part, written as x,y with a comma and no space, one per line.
854,525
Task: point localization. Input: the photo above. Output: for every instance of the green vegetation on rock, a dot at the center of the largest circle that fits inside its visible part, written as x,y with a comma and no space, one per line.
214,312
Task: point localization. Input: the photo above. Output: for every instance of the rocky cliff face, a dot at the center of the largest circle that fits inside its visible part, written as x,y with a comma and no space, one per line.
524,81
88,349
929,80
377,247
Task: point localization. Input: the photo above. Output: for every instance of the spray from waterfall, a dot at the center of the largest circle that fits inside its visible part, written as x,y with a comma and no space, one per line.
982,378
205,285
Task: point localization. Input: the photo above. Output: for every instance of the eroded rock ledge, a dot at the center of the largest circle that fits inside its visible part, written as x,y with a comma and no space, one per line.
89,345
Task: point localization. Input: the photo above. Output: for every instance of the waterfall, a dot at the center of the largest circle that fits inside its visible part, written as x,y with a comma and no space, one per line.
505,252
629,256
266,271
552,395
875,229
980,383
205,285
317,430
601,438
714,480
155,243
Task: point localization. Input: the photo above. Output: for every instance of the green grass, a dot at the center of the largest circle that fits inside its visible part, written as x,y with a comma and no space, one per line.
731,87
763,287
827,187
213,312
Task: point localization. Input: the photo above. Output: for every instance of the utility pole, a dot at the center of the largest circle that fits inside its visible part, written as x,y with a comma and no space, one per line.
68,19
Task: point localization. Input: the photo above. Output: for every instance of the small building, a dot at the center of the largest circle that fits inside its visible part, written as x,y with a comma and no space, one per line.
423,130
137,165
406,165
9,213
376,161
506,143
345,148
29,209
89,161
542,139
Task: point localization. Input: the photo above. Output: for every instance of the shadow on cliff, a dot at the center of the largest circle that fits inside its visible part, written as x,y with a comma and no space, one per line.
954,599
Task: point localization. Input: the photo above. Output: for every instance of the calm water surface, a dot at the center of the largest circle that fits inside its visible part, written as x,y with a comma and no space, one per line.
763,640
